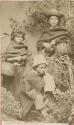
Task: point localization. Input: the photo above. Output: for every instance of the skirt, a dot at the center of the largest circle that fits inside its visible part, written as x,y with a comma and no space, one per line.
59,68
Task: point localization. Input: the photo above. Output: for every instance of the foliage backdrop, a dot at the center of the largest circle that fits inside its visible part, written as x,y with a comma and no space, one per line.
31,15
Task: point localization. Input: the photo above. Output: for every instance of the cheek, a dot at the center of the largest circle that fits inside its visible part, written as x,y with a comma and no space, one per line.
16,38
19,38
41,71
46,69
53,21
50,21
56,21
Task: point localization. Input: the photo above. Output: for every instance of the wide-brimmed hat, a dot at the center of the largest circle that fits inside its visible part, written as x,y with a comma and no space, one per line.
39,59
55,12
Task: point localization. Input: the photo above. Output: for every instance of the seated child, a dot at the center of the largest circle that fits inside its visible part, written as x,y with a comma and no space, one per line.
35,84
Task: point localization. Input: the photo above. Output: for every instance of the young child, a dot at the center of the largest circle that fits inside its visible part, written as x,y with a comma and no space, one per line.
35,85
16,54
17,49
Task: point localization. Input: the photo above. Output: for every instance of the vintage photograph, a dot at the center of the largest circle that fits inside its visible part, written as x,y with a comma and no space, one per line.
37,61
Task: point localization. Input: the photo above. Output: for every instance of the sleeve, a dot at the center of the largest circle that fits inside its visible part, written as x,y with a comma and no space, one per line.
28,90
33,94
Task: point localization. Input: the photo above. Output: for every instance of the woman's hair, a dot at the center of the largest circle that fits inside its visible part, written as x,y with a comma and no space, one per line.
62,20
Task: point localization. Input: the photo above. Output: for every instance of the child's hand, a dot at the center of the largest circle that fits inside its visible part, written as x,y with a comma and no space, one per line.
45,114
15,59
39,103
16,64
19,58
24,58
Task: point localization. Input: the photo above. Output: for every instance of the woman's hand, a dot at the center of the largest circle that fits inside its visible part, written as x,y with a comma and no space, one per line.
53,42
47,45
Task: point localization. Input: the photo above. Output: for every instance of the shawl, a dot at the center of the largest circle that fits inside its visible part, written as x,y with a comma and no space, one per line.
15,49
52,33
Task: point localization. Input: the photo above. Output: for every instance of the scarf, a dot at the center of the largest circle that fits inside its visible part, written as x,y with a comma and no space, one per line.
15,49
53,33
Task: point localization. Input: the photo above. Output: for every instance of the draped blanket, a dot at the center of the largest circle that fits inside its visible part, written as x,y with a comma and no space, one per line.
15,49
53,33
60,67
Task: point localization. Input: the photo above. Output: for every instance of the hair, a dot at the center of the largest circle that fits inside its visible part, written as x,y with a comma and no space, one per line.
62,20
13,34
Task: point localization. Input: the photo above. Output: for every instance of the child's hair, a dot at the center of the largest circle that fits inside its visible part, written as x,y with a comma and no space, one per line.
15,33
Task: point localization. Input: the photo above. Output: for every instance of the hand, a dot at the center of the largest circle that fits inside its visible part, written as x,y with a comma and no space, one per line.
53,42
58,91
19,58
16,64
45,114
46,101
46,45
24,58
39,103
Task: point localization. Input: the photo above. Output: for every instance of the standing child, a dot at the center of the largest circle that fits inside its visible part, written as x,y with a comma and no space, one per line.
16,55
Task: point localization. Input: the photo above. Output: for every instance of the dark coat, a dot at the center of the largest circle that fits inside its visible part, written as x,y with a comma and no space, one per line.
31,86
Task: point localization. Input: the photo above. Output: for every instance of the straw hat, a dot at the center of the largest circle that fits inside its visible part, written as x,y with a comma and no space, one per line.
55,12
39,59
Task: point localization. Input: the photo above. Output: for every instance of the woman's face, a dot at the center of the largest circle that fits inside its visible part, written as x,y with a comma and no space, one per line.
54,20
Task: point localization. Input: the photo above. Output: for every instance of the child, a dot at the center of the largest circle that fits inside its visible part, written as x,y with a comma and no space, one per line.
16,54
34,87
17,49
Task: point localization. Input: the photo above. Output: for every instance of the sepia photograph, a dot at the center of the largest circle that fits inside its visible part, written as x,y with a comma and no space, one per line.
37,62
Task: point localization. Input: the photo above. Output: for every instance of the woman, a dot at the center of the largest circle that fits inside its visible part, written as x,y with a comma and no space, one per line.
55,43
